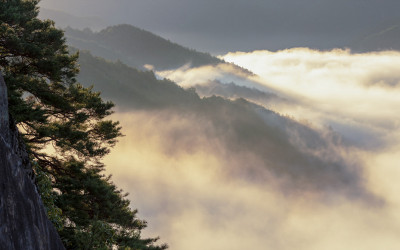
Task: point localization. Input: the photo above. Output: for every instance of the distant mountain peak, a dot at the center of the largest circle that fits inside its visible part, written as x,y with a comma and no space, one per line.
137,47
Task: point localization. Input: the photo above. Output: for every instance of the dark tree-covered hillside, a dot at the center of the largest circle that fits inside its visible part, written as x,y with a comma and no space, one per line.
137,47
130,87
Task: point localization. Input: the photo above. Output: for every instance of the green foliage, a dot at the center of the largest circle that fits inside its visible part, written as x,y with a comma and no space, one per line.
45,188
65,128
98,235
89,199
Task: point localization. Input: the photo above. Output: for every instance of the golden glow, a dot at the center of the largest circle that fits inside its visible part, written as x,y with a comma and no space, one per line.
193,200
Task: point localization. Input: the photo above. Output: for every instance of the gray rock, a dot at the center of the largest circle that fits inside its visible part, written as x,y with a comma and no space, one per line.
3,110
23,220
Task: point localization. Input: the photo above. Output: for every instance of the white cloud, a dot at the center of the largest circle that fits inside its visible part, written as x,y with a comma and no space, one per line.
224,72
192,201
338,85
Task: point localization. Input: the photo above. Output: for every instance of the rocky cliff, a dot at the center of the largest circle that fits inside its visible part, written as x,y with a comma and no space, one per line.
23,220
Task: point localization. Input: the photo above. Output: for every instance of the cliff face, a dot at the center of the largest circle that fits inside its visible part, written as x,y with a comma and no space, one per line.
23,220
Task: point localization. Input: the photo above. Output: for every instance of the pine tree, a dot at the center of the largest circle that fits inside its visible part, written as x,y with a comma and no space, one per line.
56,114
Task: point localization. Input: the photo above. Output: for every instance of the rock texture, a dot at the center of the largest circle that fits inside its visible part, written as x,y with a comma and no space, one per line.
23,220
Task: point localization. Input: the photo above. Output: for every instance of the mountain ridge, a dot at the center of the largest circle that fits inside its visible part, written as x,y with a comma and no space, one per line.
137,47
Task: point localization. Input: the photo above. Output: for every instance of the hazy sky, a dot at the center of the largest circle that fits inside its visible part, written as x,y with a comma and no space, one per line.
229,25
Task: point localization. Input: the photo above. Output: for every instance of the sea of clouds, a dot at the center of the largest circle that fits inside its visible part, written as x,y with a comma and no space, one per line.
189,184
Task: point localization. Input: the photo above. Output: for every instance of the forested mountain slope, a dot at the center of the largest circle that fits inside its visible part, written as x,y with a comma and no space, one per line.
136,47
282,146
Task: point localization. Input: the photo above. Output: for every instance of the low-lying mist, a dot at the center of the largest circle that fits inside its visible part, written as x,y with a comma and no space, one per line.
195,195
319,171
356,94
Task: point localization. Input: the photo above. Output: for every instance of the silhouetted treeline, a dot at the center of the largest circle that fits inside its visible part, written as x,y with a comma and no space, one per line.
293,152
137,47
